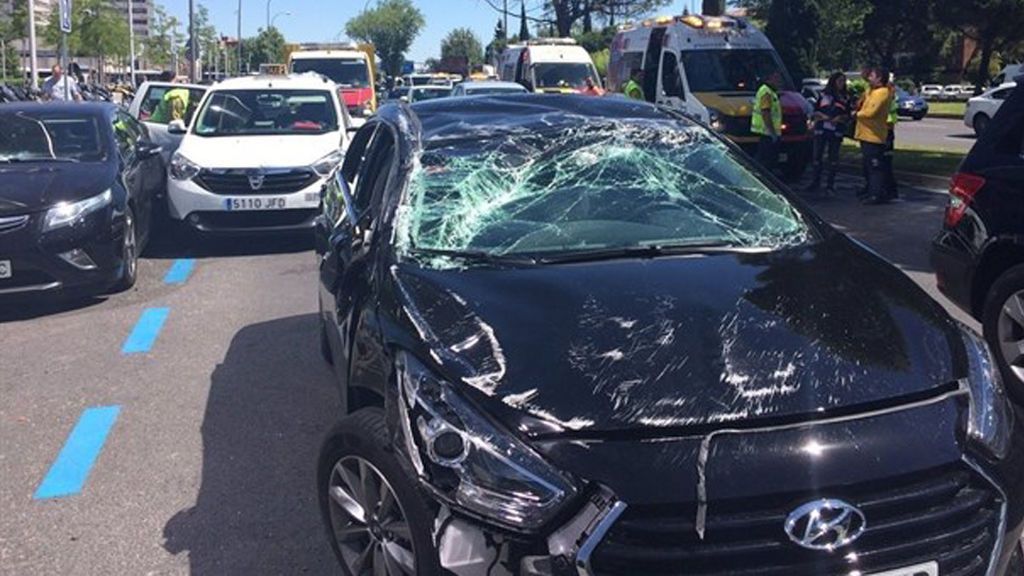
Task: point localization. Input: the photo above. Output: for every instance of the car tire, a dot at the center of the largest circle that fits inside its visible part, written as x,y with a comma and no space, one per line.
358,449
980,123
1001,329
129,252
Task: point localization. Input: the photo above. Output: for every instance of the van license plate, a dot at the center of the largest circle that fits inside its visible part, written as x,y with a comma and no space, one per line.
255,203
927,569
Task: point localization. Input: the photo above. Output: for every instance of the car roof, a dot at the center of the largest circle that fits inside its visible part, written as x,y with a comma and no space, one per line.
161,84
95,109
453,118
491,84
346,53
304,81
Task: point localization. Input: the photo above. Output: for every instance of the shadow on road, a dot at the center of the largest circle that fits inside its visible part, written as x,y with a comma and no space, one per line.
30,308
169,243
270,403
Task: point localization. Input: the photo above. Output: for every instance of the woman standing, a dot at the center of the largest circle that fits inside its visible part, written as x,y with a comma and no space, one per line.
872,133
831,115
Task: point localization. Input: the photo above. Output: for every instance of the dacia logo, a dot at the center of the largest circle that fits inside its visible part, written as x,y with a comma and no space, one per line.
825,525
256,180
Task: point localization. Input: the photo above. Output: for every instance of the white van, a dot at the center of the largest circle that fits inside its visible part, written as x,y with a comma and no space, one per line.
548,65
710,67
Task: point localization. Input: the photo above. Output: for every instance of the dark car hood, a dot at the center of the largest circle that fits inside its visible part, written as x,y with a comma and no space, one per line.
36,186
684,341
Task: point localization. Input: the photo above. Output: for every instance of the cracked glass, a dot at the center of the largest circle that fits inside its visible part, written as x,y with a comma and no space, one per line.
593,185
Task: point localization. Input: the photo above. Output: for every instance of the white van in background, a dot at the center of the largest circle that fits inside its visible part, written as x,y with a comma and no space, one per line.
548,65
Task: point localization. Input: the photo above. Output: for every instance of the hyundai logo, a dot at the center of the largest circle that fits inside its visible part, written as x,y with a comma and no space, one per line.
256,181
825,525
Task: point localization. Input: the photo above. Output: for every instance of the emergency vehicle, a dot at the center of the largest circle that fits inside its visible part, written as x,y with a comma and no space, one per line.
350,66
711,67
548,65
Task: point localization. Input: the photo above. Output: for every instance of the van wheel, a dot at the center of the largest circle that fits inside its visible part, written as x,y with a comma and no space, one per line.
1003,325
981,121
377,520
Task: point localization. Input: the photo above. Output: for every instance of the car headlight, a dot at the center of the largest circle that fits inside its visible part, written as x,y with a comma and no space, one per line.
716,120
325,165
67,213
991,418
182,168
469,461
360,111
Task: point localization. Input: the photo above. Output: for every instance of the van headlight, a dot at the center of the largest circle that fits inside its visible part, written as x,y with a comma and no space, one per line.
67,213
182,168
716,120
469,461
325,165
990,422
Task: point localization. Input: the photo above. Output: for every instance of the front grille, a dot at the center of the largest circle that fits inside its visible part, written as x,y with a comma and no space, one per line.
237,182
947,516
267,219
9,223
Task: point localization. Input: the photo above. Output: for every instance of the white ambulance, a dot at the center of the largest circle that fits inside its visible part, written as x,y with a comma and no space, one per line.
710,68
548,65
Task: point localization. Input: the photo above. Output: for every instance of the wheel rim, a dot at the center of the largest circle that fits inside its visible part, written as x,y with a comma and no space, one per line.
129,245
1010,330
368,522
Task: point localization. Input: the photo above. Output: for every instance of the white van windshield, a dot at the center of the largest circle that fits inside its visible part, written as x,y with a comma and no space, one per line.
563,75
347,72
251,112
731,70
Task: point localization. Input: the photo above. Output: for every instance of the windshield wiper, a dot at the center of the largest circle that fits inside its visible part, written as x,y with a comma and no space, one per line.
476,256
644,251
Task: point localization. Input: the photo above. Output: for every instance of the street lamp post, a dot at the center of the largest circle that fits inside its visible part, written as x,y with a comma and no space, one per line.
33,62
274,19
131,40
239,37
269,21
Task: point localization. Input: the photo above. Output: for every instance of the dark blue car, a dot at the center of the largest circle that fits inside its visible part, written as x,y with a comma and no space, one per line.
911,105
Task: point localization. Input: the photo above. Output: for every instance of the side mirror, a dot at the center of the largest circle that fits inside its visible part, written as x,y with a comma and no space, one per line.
404,99
177,127
149,149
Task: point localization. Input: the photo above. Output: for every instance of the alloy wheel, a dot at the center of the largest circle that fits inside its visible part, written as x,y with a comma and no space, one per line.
1010,331
367,521
129,250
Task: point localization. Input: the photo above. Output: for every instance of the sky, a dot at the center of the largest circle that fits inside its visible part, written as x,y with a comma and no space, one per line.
324,20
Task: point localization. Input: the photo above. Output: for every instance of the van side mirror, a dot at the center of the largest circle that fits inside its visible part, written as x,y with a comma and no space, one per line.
177,127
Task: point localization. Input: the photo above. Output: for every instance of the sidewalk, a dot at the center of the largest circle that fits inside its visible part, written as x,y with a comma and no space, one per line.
901,231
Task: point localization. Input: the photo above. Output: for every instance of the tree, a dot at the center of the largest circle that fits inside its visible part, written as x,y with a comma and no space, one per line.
994,24
165,38
266,48
524,28
793,28
838,45
97,29
461,49
498,43
391,27
895,27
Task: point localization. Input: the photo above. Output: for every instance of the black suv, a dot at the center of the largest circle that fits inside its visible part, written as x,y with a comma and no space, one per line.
979,254
588,336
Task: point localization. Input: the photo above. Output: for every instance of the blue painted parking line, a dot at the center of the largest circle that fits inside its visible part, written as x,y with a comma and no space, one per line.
146,330
179,271
71,469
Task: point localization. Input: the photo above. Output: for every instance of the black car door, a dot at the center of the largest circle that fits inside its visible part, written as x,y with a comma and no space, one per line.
353,239
137,159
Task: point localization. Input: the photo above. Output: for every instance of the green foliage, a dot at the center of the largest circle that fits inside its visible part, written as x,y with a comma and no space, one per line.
995,24
15,27
497,44
524,28
391,27
793,27
841,23
461,48
165,38
596,40
97,28
601,58
266,48
13,63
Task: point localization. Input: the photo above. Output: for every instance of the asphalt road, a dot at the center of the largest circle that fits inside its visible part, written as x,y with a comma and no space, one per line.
937,133
208,468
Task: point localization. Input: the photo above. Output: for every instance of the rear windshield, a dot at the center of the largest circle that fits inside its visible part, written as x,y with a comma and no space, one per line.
601,185
563,75
350,73
250,112
50,137
731,70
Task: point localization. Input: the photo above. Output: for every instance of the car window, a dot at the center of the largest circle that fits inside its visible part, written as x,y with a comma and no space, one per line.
267,112
607,185
127,134
670,83
374,172
154,97
356,153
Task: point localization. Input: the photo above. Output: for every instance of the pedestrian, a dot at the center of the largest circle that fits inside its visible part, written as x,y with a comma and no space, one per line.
591,89
872,132
59,86
634,87
831,116
174,104
766,121
891,188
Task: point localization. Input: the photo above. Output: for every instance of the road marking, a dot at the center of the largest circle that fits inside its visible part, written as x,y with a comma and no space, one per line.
179,271
71,469
146,330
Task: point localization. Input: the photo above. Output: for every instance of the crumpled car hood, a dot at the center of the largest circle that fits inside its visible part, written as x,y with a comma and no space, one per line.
671,343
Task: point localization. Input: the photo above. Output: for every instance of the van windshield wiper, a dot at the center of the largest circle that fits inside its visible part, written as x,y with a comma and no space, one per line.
477,256
642,251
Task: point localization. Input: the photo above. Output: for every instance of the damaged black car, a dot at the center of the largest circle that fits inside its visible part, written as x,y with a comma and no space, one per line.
588,336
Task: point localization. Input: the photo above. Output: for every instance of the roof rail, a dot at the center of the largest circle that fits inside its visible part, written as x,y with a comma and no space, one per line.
551,42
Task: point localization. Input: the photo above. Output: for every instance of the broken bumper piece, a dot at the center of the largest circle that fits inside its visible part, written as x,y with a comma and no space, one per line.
571,546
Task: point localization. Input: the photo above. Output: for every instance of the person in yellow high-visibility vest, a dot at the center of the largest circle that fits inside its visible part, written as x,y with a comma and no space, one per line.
173,106
766,121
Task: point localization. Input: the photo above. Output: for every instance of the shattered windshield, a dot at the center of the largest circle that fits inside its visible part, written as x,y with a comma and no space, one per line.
596,186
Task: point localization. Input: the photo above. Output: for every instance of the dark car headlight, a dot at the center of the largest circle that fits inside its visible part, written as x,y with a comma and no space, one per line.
182,168
325,165
470,462
990,421
67,213
716,120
